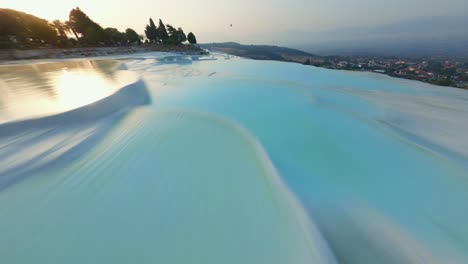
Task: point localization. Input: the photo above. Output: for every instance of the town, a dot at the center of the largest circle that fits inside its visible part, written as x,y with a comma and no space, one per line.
444,72
434,69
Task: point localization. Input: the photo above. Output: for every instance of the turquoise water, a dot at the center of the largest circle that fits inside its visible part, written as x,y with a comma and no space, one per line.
227,160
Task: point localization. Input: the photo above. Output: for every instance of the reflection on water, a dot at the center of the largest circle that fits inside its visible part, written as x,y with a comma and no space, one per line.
77,88
28,91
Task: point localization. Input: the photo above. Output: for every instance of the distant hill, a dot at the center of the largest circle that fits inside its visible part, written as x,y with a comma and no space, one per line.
445,36
262,52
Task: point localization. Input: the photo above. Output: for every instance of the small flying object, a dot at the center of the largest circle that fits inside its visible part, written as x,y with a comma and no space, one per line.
231,25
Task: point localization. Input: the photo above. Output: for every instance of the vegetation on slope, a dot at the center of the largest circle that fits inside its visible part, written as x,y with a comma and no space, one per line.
20,30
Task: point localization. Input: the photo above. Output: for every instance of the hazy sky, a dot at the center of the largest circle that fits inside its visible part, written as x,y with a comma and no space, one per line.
254,21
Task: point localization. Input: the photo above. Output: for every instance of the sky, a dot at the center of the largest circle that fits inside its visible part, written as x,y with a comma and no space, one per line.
253,21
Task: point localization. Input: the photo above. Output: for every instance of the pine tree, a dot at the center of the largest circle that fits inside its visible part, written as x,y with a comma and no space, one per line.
151,31
181,37
162,32
154,31
191,38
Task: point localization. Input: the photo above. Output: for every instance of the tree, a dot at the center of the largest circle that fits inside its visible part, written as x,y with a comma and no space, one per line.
115,36
162,32
60,27
19,29
79,21
91,31
148,33
176,36
181,37
42,31
132,36
151,31
171,32
94,35
10,22
154,31
69,28
191,38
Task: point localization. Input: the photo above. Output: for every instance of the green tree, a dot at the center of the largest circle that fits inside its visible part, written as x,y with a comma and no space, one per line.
79,21
148,33
171,32
94,35
114,36
132,36
42,31
22,30
69,27
60,27
154,30
11,30
162,32
151,31
191,38
181,37
176,36
11,22
92,32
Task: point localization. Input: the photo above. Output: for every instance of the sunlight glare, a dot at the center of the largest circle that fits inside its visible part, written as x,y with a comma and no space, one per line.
78,88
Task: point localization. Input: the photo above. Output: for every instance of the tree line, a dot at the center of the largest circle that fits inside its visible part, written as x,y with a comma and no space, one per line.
167,34
22,30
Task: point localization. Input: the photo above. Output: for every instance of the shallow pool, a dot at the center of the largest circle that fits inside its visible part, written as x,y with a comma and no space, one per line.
218,159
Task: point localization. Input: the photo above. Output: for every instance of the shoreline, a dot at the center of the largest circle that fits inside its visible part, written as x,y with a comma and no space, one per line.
357,71
380,64
396,77
70,53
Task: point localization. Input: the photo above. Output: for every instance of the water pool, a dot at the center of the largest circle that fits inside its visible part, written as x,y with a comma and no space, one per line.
219,159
